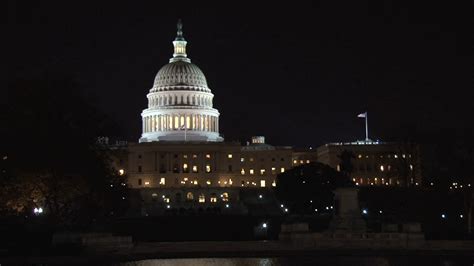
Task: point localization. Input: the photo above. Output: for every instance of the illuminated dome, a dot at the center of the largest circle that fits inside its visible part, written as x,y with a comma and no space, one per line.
180,75
180,102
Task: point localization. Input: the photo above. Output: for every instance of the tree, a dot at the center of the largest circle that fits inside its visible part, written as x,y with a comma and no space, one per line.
346,162
309,186
51,157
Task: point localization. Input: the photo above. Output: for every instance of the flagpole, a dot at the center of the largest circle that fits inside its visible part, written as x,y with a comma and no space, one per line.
366,127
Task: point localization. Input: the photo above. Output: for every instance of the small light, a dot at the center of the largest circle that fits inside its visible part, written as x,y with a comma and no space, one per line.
123,198
264,225
111,185
461,216
316,210
168,206
260,196
286,210
331,207
432,184
40,210
443,216
227,205
380,211
311,201
364,211
35,210
121,172
282,205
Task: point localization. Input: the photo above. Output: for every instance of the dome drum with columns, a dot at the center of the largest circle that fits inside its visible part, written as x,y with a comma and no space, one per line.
180,102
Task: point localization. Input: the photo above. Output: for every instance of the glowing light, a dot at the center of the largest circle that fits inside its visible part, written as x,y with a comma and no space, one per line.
282,205
229,156
286,210
208,182
147,183
162,181
282,170
208,156
380,211
364,211
443,216
260,196
227,205
121,172
264,225
461,216
168,206
316,210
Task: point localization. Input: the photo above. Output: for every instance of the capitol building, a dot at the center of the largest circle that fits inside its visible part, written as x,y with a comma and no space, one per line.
182,164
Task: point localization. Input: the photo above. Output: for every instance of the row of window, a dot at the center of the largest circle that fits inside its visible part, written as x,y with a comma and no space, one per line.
224,197
229,156
208,169
188,181
395,156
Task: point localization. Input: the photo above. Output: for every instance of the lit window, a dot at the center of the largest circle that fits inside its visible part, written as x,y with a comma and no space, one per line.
190,196
208,156
395,156
242,159
251,159
242,171
121,172
307,161
195,156
208,168
154,195
185,179
301,161
185,156
229,156
195,169
274,183
208,182
382,168
338,168
251,171
359,156
411,167
195,182
202,198
162,181
185,167
147,183
213,199
166,199
262,183
262,171
225,196
403,155
230,181
282,170
295,161
273,170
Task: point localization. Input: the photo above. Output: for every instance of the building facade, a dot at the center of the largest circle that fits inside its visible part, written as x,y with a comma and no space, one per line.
376,163
182,162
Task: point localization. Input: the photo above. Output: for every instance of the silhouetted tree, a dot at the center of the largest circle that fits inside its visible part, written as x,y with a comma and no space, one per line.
314,182
51,157
346,162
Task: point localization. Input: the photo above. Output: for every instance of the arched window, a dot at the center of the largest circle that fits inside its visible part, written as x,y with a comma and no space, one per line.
225,196
190,196
202,198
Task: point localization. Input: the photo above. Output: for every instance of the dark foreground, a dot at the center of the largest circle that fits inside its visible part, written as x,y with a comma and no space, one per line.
250,253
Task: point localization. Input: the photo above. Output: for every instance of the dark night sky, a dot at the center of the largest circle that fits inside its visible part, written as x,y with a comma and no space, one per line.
297,74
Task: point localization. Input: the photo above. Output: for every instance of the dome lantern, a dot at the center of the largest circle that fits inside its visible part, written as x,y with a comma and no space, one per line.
179,44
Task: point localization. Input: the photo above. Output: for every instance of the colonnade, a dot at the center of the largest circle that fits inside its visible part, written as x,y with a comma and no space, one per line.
196,122
172,99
